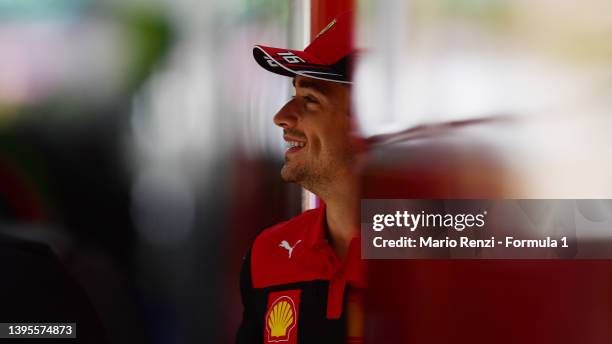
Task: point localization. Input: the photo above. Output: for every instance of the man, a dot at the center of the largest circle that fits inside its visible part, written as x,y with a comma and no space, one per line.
302,279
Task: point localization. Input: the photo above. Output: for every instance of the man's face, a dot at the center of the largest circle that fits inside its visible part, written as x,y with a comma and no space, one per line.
316,125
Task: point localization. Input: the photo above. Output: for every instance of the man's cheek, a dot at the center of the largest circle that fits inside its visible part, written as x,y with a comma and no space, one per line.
314,145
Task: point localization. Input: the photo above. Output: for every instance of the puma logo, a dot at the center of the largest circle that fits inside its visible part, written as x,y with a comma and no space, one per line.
285,244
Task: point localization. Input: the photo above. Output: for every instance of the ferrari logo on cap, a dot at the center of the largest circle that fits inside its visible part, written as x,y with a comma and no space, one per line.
329,26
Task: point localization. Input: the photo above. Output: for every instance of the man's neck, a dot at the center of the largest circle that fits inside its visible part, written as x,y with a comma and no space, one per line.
342,214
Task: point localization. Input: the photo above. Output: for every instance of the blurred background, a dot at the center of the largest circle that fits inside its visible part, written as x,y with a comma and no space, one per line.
136,137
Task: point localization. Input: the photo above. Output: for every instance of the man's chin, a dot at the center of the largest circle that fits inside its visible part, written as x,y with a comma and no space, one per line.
293,174
287,175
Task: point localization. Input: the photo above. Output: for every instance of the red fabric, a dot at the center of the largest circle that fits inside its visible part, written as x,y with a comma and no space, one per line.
318,60
324,11
311,258
335,42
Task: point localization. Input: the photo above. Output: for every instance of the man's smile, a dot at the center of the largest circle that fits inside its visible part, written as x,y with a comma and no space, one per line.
294,145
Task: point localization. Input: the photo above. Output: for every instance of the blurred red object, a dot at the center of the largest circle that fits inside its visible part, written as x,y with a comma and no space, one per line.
473,301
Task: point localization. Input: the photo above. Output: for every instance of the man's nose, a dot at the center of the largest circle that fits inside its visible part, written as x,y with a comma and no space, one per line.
286,117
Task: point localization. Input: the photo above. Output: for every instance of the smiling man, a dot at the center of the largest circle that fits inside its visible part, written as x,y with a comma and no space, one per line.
302,280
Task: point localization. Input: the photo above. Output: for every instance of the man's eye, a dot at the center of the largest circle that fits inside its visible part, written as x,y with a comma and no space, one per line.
309,99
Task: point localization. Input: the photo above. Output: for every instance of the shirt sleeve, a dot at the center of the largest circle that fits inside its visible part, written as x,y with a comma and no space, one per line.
249,330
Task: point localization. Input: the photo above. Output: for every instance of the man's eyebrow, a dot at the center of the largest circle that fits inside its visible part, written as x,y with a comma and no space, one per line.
305,83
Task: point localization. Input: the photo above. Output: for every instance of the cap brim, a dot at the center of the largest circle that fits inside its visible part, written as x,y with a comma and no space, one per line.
291,63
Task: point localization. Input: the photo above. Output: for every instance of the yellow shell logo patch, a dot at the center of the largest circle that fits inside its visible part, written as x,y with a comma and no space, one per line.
281,319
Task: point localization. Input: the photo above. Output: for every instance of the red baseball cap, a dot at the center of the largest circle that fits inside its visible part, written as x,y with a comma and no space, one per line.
327,57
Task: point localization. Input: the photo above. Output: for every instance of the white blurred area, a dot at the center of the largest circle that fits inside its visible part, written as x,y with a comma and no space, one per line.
543,64
204,102
208,103
47,50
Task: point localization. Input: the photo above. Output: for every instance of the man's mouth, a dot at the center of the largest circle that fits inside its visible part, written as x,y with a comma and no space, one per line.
294,146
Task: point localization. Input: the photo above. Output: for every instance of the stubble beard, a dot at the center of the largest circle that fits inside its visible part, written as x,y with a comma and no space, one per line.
312,179
318,177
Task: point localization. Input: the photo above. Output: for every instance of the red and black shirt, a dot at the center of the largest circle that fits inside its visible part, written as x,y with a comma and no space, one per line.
296,290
